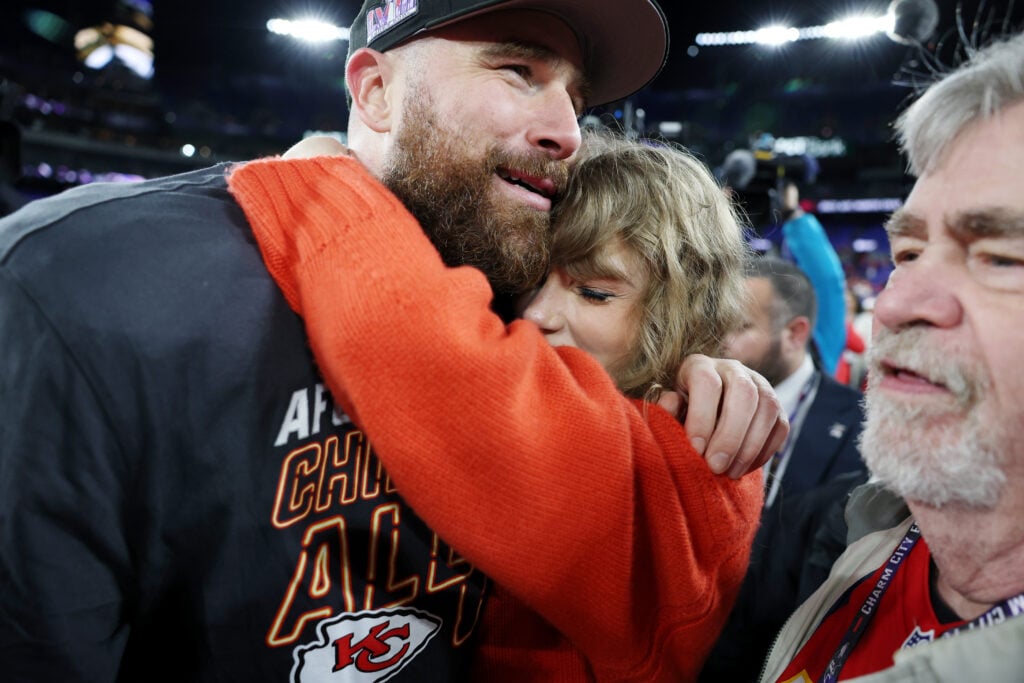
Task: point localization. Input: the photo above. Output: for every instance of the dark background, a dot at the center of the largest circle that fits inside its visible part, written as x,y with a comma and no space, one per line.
226,86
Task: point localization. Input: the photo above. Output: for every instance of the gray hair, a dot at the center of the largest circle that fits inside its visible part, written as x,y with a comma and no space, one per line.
992,79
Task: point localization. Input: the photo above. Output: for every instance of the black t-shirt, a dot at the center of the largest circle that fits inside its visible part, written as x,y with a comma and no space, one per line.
179,500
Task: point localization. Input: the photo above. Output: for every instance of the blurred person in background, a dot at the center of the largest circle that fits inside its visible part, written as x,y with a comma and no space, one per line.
775,340
804,238
851,369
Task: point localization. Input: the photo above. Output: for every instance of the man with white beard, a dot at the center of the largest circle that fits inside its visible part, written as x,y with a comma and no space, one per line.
933,586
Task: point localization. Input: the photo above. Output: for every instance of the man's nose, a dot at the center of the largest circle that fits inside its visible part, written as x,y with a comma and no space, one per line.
554,127
924,291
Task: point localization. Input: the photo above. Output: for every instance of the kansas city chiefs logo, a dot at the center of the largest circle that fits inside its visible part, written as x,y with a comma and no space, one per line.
364,647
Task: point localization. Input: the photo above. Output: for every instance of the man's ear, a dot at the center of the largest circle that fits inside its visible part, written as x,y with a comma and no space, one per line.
798,331
369,75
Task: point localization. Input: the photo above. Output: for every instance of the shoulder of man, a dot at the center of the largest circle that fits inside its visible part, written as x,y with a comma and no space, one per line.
131,246
100,206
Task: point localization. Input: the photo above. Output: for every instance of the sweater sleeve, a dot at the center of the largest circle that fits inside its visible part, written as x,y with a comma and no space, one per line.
524,457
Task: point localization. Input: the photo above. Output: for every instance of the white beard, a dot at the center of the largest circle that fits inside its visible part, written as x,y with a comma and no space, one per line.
932,450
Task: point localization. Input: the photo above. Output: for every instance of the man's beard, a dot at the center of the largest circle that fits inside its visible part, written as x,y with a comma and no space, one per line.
449,190
771,365
935,451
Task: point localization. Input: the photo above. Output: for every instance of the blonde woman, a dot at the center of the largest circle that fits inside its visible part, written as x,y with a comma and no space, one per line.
653,217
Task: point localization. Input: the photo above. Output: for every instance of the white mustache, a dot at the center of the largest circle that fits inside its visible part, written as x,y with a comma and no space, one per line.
909,349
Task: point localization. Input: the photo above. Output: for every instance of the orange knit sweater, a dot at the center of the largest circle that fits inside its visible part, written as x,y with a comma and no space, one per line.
616,551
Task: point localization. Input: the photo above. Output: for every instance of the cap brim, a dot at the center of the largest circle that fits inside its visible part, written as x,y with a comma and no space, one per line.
625,42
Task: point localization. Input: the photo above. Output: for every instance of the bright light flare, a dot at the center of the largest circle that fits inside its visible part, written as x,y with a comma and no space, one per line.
308,30
853,28
99,57
776,35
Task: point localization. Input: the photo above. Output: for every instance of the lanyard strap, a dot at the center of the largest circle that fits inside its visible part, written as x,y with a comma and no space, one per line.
997,614
1001,611
782,455
870,606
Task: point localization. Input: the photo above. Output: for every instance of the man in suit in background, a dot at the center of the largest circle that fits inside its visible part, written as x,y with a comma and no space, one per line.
816,467
825,416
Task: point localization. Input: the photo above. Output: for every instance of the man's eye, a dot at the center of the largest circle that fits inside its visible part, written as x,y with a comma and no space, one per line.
1000,261
518,69
904,255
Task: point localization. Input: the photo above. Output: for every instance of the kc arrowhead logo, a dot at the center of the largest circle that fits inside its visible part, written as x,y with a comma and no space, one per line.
364,647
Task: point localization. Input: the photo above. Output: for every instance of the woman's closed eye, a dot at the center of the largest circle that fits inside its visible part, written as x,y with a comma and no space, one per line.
595,295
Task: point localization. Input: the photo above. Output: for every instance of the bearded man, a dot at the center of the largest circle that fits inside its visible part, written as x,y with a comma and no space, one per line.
933,589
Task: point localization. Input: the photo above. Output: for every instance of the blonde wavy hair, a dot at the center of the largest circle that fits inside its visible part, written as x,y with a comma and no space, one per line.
666,207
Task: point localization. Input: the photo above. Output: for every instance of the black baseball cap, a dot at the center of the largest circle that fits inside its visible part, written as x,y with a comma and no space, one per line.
624,42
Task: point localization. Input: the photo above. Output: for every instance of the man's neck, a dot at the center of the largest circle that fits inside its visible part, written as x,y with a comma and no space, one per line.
979,554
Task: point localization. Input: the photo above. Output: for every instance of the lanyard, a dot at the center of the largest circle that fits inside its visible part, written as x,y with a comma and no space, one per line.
776,465
998,613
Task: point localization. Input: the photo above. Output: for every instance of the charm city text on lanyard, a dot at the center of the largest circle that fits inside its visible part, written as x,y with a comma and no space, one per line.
998,613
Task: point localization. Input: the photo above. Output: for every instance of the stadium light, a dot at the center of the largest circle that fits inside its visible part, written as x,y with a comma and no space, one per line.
308,30
851,28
